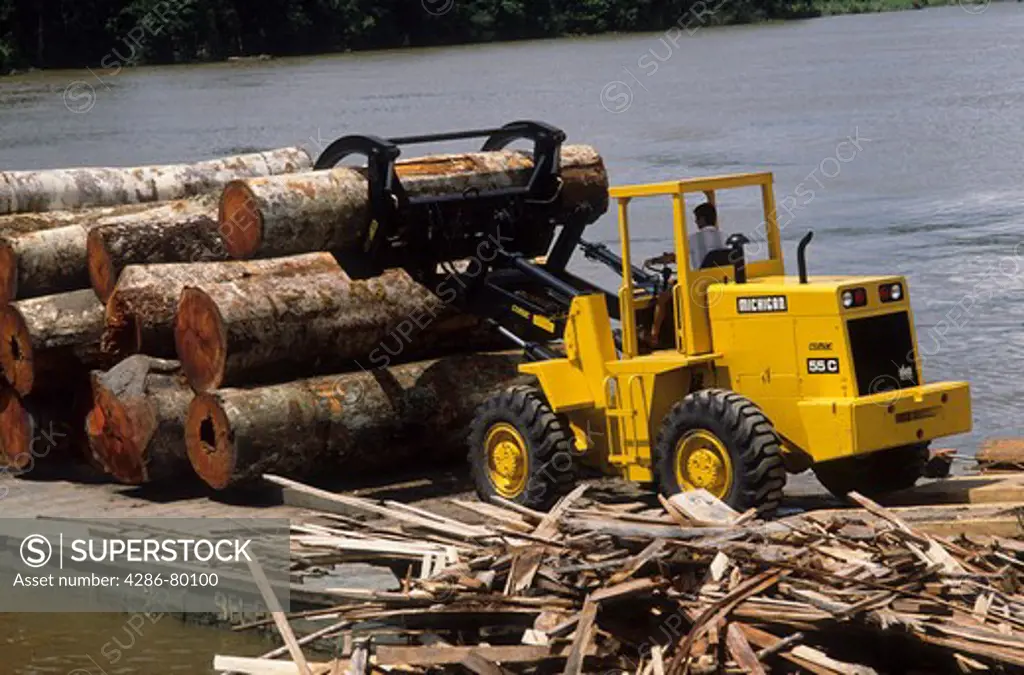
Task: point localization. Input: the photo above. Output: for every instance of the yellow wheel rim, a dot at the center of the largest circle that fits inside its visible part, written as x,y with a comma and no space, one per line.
702,461
508,460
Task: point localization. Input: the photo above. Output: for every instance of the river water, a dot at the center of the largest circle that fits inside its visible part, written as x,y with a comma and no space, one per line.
895,137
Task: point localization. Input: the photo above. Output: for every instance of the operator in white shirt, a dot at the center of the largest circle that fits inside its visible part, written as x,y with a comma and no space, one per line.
706,239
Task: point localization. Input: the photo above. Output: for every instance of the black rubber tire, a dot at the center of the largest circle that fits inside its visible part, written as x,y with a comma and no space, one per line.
550,468
874,474
749,437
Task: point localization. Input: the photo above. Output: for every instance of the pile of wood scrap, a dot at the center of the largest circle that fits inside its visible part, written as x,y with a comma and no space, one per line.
194,320
603,588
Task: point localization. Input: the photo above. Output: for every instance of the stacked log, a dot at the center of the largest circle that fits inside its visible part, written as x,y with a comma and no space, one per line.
26,232
57,189
355,422
136,426
37,429
330,210
41,255
97,270
45,342
140,310
262,329
181,231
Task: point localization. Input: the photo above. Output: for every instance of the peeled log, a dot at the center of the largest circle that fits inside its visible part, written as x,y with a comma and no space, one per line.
140,311
271,330
49,190
181,231
137,424
329,210
44,340
357,423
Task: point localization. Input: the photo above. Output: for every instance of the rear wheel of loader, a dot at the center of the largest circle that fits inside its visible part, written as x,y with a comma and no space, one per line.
520,449
720,441
874,474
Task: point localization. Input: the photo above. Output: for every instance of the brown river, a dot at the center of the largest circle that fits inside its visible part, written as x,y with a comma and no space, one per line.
895,137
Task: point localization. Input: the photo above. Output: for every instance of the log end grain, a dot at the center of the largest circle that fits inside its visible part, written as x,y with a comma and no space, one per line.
122,335
210,444
17,428
200,339
118,434
241,223
16,354
102,273
8,274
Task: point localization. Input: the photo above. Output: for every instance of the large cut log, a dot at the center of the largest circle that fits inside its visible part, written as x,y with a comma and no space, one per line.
43,253
19,223
358,423
329,210
140,311
45,340
36,430
55,189
137,424
270,330
180,231
69,257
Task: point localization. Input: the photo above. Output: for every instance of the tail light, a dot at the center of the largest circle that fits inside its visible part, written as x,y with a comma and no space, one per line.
854,297
890,292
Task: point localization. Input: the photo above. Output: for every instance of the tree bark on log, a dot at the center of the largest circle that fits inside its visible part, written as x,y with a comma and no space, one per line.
44,253
140,311
49,190
45,340
181,231
330,211
137,424
358,423
94,252
271,330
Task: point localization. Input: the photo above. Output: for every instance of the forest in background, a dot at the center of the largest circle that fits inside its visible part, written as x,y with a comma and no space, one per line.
115,33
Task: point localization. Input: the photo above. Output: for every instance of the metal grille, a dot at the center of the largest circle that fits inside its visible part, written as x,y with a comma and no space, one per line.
883,353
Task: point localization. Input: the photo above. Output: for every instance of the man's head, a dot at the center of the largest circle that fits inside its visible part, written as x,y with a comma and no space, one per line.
705,215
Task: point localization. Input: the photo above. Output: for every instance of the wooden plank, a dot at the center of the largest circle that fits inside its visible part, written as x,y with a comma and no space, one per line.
367,506
1001,452
524,567
584,638
280,620
767,641
741,652
988,489
445,655
632,587
253,666
476,663
821,659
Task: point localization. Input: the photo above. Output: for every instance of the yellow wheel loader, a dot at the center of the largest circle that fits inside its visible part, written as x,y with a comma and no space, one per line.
720,373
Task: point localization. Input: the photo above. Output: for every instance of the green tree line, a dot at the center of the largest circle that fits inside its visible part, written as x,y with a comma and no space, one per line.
115,33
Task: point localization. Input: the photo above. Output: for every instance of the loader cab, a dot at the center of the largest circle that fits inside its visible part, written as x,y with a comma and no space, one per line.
753,252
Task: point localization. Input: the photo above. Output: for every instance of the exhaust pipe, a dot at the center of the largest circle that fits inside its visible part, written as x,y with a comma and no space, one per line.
736,243
801,256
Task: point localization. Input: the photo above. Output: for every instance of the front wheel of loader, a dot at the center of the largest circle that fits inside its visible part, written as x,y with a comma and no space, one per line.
520,449
874,474
720,441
